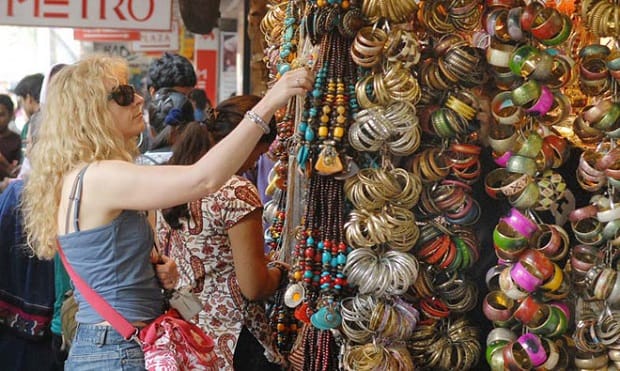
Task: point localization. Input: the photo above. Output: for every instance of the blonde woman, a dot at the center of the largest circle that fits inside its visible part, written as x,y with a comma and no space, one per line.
86,192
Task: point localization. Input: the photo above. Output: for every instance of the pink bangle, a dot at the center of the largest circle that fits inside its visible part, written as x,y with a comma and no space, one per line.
585,212
523,278
544,102
503,159
520,223
534,348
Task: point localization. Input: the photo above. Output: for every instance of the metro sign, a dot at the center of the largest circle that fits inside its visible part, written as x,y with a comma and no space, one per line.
155,15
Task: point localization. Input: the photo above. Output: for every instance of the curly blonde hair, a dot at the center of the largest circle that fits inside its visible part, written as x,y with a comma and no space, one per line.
77,129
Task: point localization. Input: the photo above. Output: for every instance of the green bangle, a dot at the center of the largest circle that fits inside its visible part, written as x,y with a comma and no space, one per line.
562,323
520,56
521,165
526,93
613,182
610,119
457,263
531,145
567,27
506,239
613,62
527,198
465,255
497,347
551,323
441,125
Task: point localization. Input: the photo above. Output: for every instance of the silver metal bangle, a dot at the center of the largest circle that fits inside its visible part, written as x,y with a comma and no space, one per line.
255,118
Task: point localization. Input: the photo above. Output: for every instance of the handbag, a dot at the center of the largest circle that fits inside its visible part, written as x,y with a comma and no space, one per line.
169,342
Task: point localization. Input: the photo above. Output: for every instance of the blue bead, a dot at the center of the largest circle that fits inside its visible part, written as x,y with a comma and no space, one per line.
326,258
288,34
334,262
284,68
284,53
342,259
316,278
324,274
310,241
325,286
302,126
309,137
320,245
308,274
302,156
316,93
289,21
339,275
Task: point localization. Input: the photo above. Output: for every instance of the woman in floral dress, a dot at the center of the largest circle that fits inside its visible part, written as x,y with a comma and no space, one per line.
217,244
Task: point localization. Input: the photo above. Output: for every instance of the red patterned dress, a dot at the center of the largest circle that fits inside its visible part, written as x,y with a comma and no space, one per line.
202,252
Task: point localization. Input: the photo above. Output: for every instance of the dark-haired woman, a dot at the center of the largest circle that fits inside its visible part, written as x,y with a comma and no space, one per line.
217,244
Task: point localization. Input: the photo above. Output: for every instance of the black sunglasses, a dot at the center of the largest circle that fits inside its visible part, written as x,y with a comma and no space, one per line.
123,95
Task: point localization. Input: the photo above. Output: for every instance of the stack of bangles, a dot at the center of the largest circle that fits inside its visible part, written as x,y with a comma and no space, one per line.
521,351
380,274
365,318
441,346
394,226
372,356
450,252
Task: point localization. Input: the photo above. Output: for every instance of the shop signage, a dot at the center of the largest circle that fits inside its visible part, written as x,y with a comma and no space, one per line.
205,60
97,34
152,15
158,41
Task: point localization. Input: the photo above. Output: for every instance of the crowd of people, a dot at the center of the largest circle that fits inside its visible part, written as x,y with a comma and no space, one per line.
144,193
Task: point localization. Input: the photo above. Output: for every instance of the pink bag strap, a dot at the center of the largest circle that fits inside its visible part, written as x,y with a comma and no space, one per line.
105,310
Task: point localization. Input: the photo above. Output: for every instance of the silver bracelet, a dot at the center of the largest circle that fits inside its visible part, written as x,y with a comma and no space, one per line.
255,118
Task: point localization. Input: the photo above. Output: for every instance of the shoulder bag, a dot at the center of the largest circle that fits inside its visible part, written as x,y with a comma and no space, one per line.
168,343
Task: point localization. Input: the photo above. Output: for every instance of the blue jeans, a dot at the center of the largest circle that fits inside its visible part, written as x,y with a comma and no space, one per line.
100,348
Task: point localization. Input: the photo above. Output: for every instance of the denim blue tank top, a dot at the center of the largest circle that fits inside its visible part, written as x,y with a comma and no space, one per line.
114,260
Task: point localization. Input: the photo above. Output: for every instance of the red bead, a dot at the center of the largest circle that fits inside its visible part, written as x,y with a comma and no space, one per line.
309,252
342,247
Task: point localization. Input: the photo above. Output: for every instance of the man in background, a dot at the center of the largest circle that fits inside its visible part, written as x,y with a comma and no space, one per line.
171,71
28,90
10,143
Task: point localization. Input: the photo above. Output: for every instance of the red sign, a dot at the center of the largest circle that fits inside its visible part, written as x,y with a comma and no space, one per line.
103,35
206,72
205,60
153,15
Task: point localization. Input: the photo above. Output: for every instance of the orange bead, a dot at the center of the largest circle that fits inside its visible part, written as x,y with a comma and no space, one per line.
323,131
338,132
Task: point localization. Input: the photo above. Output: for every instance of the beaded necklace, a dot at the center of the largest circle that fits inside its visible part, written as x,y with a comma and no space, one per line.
329,107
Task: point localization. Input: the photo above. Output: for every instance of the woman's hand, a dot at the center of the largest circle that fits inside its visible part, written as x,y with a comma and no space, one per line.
167,272
295,82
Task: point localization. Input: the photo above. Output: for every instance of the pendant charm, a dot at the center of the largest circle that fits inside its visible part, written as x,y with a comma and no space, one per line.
328,161
350,169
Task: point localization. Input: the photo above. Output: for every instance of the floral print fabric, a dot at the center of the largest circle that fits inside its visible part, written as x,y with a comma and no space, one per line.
202,252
